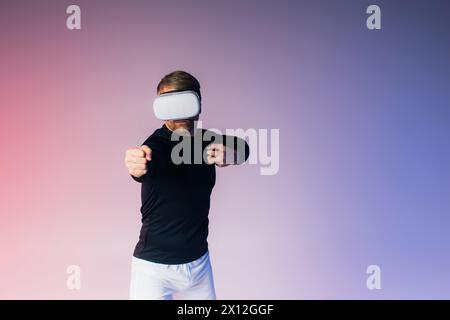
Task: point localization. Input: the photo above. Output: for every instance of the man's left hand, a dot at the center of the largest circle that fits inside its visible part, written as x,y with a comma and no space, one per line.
220,155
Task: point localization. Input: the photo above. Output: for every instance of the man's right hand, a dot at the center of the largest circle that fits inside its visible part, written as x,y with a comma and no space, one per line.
136,160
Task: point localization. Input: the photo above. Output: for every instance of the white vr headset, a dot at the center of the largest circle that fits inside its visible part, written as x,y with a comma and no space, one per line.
177,105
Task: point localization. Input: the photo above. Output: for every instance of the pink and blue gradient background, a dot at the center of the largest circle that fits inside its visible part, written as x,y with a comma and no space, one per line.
364,143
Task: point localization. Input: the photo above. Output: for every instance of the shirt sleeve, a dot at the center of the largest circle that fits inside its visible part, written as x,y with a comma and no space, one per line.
239,145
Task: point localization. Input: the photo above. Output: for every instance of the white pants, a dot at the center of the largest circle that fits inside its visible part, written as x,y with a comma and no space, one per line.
155,281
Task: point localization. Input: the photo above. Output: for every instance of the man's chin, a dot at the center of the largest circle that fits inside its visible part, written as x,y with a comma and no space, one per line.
184,124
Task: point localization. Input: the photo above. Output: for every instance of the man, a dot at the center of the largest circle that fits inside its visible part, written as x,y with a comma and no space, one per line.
172,254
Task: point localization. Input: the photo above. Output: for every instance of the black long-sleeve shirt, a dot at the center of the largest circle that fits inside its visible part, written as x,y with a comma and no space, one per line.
176,200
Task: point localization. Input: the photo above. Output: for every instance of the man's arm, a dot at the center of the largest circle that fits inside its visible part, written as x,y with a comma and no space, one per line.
228,150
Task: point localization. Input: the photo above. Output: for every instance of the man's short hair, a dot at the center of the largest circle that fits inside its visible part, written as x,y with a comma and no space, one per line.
180,80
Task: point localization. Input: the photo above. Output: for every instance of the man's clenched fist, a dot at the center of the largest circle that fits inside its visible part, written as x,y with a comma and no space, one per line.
220,155
136,160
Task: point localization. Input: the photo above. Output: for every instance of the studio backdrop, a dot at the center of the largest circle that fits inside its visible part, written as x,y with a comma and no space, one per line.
348,103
